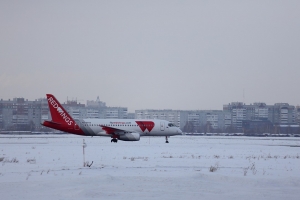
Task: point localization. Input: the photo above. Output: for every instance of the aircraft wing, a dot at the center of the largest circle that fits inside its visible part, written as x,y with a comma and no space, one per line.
111,131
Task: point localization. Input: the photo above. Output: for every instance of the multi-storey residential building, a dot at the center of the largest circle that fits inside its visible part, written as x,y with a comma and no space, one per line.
195,118
297,115
227,119
130,115
95,104
76,110
279,113
92,113
115,113
6,112
261,111
217,119
283,113
19,114
45,114
238,113
176,117
94,109
199,118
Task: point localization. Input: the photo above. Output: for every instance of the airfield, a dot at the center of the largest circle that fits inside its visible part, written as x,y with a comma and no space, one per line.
189,167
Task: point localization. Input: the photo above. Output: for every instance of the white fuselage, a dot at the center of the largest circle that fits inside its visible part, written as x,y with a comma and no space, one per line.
145,127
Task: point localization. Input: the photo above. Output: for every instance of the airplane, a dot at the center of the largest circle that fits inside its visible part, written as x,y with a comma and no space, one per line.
117,129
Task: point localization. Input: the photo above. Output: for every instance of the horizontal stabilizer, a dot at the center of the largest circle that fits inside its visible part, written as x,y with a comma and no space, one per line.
52,122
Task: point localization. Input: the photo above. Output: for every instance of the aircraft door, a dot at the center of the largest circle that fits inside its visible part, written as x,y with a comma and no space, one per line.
162,126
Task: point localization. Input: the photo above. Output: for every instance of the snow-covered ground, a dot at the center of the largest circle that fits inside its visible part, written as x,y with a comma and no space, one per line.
51,167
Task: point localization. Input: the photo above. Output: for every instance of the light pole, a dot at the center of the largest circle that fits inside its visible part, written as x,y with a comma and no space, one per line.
83,146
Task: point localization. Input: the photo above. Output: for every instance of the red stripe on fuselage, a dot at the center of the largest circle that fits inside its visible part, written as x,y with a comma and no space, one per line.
64,127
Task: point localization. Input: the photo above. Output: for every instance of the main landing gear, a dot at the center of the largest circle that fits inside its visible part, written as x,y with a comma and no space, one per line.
167,139
115,140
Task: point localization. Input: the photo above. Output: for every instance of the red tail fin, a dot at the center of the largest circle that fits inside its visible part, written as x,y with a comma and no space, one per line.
58,113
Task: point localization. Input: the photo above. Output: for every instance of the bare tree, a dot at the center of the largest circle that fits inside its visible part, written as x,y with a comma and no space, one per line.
188,127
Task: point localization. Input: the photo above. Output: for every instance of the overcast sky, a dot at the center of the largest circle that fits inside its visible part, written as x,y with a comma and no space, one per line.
151,54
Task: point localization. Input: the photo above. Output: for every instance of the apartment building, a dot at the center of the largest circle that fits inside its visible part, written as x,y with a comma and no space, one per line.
20,114
279,113
216,118
177,117
297,115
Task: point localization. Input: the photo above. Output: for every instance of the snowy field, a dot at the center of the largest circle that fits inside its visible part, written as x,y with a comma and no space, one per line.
189,167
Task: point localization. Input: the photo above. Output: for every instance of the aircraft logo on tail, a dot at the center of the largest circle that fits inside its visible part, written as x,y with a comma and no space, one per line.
60,111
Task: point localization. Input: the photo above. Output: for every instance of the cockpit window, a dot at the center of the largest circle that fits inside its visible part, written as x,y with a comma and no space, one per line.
170,125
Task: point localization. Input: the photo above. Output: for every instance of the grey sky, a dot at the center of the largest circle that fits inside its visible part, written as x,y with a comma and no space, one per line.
151,54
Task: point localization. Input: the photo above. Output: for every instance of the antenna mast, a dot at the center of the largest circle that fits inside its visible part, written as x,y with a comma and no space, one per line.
244,96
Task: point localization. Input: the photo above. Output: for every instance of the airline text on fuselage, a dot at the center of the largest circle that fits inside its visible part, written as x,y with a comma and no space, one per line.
122,123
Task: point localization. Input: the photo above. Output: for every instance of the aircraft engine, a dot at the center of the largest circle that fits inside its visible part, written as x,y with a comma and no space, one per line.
130,137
